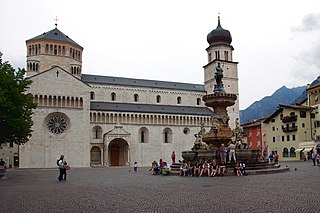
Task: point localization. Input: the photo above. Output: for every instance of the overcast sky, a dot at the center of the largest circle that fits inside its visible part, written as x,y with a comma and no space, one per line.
275,42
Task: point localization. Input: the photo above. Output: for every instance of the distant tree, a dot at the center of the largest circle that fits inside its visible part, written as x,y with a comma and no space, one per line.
15,105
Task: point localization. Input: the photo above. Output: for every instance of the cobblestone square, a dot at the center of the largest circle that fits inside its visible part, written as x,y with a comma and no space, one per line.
118,190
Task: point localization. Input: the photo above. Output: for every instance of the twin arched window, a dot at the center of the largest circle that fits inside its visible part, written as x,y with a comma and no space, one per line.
286,153
143,135
97,132
167,135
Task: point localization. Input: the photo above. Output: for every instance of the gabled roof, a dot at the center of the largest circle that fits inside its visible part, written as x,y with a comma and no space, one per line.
150,108
54,34
282,106
256,122
55,66
295,107
314,86
141,83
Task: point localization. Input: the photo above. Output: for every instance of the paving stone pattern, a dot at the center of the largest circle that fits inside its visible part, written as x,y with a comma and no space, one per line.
118,190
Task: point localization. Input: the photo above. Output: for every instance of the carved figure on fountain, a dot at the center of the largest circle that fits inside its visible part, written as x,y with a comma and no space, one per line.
199,144
218,76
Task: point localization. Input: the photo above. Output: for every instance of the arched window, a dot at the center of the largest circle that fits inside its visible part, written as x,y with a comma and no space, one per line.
158,98
167,134
97,132
143,135
92,96
55,51
292,152
198,101
136,97
178,100
285,152
113,96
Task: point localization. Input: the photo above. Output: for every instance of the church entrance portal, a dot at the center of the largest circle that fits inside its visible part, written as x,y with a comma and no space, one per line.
95,156
118,152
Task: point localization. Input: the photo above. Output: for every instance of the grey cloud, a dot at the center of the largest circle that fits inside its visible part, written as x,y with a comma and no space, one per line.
309,22
307,64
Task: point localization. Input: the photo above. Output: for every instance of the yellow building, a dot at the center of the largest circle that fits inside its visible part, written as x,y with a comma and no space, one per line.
290,131
314,101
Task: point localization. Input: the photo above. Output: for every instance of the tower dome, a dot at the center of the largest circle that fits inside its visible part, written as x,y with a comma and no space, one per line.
219,35
53,48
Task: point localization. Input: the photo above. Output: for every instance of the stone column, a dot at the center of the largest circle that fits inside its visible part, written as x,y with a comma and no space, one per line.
105,152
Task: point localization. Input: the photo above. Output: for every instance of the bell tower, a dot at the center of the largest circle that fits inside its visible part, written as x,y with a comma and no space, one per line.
53,48
220,52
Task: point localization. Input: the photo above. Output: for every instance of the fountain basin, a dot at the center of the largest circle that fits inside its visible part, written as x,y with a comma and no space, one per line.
189,155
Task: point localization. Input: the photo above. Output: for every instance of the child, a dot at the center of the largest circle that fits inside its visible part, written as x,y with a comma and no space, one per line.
135,166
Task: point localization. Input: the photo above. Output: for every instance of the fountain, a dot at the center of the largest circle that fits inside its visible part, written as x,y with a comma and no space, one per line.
207,144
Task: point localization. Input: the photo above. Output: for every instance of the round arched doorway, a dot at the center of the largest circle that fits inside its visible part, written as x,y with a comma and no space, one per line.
118,152
95,156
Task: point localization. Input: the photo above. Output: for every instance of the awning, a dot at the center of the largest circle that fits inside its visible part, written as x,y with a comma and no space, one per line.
305,150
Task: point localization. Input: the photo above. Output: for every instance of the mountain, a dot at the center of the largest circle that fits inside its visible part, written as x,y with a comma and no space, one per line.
269,104
304,95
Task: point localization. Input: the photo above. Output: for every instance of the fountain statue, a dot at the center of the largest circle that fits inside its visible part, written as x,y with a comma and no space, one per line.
207,144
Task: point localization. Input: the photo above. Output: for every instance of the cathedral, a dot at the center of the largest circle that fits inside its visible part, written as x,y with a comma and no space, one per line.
98,120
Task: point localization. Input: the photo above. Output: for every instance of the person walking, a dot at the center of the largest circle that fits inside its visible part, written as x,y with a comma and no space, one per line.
314,157
62,168
135,166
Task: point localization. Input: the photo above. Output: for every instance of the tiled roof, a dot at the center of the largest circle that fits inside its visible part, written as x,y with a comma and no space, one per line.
141,83
55,34
150,108
282,106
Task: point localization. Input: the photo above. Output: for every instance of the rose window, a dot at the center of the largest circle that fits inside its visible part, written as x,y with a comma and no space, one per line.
57,124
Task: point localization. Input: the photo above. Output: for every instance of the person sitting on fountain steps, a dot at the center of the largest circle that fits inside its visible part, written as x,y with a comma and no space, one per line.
205,169
223,168
214,168
196,170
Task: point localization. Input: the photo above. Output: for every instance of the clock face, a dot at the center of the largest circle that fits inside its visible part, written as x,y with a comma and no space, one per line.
57,124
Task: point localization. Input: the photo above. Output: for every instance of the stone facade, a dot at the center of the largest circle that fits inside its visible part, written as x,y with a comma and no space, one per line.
111,121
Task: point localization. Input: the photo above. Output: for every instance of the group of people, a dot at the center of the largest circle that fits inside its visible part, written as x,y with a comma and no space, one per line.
160,168
210,169
272,158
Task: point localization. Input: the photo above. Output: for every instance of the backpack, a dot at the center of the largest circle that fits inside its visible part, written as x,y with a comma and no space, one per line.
58,162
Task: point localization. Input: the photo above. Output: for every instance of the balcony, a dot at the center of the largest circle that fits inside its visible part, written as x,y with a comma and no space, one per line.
288,119
289,128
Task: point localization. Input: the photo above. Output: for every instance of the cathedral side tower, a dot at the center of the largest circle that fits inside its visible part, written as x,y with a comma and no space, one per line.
220,51
53,48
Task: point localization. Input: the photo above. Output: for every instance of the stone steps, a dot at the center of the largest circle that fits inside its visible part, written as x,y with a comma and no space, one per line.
251,168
